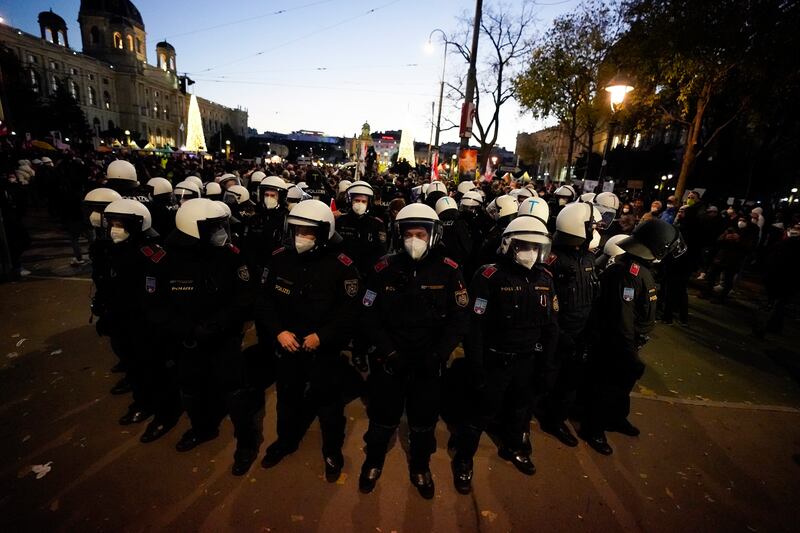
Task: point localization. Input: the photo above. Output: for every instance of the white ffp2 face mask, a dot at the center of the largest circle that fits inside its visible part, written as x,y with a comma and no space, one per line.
270,202
303,244
219,237
118,235
526,258
96,219
562,201
415,247
359,208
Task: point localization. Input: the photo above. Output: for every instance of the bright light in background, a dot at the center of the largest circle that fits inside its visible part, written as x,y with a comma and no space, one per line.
428,47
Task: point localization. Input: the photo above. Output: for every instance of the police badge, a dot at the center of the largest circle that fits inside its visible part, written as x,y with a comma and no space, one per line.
462,299
244,274
480,306
369,298
351,287
627,294
150,284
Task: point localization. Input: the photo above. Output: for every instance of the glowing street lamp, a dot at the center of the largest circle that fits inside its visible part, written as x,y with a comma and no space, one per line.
617,88
227,149
128,137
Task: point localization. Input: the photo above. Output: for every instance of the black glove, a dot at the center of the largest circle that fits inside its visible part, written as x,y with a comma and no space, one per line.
359,361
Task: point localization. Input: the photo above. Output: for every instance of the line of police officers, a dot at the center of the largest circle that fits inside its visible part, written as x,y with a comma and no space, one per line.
543,334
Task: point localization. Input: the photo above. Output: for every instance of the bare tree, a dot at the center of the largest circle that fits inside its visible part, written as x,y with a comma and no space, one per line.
505,39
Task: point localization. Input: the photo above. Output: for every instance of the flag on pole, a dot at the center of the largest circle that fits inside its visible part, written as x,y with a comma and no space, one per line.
333,205
435,167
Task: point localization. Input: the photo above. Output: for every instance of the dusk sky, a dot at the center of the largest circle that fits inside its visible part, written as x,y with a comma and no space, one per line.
323,65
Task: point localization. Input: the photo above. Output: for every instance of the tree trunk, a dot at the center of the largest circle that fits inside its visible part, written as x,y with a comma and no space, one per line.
692,141
590,144
573,127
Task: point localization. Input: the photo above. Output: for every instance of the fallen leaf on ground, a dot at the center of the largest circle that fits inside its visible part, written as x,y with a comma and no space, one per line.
297,518
41,470
342,479
21,342
57,352
669,492
12,355
489,515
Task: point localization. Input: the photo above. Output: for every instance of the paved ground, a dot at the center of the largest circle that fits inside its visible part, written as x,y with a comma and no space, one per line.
719,413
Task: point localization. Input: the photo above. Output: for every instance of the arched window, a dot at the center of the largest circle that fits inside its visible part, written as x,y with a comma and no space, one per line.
110,124
92,96
62,38
48,35
118,40
130,43
74,91
155,110
166,114
53,84
138,45
106,100
162,61
96,126
172,63
94,35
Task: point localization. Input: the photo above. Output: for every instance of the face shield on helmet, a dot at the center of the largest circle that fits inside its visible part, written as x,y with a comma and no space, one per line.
186,190
309,225
471,201
213,191
418,226
565,194
360,194
607,203
95,202
236,195
526,241
126,217
272,192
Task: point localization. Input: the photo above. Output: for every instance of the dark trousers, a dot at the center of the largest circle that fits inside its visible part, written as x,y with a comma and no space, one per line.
570,359
609,385
676,295
309,386
724,274
505,398
415,389
212,381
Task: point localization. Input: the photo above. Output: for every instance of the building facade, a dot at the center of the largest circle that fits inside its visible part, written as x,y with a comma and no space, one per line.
110,79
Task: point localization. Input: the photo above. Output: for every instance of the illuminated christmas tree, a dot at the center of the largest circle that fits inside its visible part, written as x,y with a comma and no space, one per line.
406,150
195,140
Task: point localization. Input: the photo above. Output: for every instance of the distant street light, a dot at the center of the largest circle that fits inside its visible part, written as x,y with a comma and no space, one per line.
616,88
227,149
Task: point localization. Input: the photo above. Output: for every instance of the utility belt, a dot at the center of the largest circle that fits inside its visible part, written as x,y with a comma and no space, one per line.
502,358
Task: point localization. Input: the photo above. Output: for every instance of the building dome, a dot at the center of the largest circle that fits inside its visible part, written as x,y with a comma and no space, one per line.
112,8
50,19
166,46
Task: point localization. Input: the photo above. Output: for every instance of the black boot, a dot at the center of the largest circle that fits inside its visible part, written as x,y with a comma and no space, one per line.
192,439
371,471
156,429
276,452
560,431
521,461
422,478
462,475
134,416
334,463
122,387
597,441
624,427
242,459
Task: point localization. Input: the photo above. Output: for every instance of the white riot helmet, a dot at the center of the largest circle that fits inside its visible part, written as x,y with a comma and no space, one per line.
611,248
414,217
359,188
520,194
121,170
471,199
205,220
534,207
526,241
95,202
445,204
160,186
186,190
126,217
236,195
565,194
465,186
435,186
225,207
309,214
595,242
608,205
256,178
213,191
503,206
275,184
294,195
343,185
587,197
47,161
575,224
196,180
302,185
227,180
532,188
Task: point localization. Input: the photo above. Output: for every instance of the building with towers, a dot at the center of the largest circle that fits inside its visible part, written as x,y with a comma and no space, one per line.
110,77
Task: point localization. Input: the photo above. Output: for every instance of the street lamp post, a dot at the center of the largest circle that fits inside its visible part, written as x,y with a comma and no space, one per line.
441,85
128,137
617,89
227,149
469,91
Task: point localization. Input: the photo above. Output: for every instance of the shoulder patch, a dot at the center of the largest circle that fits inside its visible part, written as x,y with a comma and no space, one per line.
243,273
279,250
158,256
380,265
343,259
634,270
233,248
147,251
449,262
489,271
551,259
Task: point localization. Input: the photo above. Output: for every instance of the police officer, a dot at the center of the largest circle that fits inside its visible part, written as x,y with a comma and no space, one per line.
264,231
121,177
163,207
415,315
572,266
212,191
308,304
364,236
514,321
207,291
504,209
625,314
185,190
562,196
455,233
128,224
242,211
